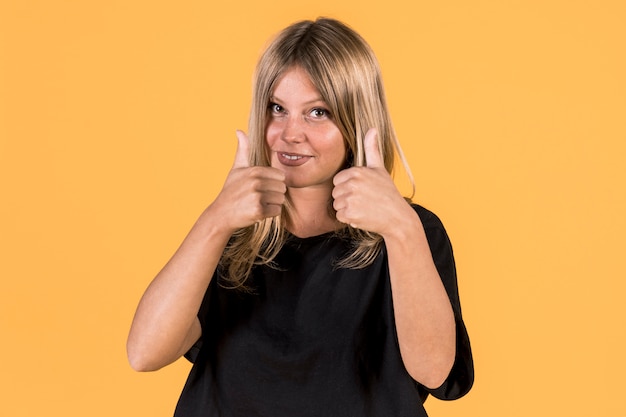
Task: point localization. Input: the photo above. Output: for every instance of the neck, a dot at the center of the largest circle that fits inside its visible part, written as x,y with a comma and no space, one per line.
310,215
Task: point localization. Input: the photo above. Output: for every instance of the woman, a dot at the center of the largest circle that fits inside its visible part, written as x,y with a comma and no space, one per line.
310,286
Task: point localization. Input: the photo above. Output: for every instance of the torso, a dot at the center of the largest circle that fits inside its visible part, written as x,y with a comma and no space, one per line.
311,340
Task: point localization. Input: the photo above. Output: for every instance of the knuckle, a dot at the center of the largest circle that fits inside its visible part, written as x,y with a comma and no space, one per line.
256,211
254,171
257,172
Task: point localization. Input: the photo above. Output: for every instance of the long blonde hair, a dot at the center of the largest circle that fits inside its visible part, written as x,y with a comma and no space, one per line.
345,71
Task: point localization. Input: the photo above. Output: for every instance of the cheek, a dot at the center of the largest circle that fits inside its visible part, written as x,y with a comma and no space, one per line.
271,134
338,150
341,159
341,147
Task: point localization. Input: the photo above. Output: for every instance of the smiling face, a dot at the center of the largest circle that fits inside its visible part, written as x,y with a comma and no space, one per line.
303,140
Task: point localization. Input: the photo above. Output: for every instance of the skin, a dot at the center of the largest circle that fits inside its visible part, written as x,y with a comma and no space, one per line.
307,154
300,125
367,198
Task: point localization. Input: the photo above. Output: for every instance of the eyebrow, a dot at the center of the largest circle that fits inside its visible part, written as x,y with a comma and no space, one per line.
315,100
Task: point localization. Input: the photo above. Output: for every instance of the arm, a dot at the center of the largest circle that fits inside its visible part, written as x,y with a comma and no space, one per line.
461,377
424,317
165,325
366,197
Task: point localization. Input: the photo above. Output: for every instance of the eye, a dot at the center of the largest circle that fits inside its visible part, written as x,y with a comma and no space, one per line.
275,108
320,113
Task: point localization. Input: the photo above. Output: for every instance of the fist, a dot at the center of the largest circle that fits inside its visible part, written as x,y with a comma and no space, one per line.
366,197
250,193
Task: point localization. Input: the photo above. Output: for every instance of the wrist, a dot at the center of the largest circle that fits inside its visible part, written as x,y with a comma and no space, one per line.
214,224
405,225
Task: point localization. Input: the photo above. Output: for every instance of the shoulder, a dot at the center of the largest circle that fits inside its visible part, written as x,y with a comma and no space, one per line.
429,219
436,234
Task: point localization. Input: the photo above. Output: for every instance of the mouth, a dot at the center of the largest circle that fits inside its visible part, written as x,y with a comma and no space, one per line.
292,159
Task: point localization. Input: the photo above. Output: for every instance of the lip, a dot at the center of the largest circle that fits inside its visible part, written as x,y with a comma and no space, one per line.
292,159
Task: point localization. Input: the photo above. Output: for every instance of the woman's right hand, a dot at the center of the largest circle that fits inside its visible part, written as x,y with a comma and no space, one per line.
165,325
250,193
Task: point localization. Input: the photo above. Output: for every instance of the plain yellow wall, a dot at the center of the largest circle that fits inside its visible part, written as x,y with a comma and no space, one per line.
117,123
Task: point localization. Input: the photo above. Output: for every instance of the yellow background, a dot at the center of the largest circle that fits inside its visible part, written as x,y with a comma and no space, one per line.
117,123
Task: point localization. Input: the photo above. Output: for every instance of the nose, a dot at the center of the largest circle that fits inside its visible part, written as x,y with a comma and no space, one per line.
293,129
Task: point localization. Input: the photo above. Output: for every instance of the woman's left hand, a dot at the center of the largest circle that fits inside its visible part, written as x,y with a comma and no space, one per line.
366,197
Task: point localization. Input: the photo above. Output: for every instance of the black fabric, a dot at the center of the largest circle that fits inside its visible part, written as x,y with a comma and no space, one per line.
313,340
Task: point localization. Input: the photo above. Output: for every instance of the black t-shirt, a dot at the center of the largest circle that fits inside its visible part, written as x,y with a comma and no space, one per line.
315,340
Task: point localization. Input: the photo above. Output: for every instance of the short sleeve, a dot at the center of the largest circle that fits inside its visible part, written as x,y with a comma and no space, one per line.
194,351
461,377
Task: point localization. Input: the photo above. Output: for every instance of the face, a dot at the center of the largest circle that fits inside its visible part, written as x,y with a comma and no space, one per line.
304,141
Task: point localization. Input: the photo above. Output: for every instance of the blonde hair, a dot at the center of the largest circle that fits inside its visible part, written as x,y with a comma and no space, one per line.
346,73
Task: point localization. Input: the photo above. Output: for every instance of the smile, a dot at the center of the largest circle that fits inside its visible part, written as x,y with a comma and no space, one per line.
293,160
291,157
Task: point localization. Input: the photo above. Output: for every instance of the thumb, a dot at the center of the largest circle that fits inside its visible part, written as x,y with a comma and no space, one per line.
373,159
243,151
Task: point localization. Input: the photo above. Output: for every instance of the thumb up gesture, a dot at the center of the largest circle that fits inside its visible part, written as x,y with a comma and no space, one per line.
366,197
250,193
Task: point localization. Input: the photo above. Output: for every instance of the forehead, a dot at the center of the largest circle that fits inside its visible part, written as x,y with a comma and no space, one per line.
295,82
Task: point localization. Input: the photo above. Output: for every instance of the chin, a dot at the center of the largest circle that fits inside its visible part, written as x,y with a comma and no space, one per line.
301,184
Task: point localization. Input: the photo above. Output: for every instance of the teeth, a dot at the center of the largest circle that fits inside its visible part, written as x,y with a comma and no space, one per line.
292,157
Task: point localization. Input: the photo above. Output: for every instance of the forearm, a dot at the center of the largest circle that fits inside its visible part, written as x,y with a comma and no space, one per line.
165,323
424,317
